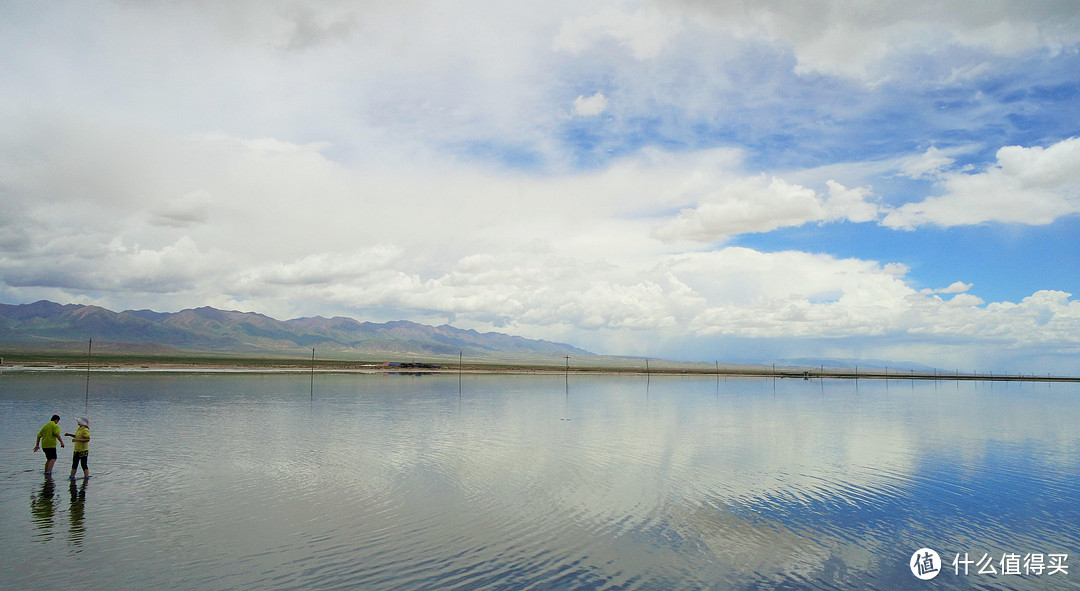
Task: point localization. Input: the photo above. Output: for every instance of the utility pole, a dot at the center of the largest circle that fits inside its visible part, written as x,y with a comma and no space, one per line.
86,402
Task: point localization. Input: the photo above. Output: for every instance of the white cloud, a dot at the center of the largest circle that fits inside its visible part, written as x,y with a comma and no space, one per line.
856,40
759,204
926,165
757,294
590,106
798,295
755,204
324,268
101,263
1046,319
955,287
849,204
1033,186
966,300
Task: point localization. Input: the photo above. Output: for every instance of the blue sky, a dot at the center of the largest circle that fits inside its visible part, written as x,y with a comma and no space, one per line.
729,180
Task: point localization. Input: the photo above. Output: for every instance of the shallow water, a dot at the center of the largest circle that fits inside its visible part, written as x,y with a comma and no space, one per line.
537,482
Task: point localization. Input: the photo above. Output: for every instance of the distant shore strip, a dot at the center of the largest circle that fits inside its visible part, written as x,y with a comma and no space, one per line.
623,366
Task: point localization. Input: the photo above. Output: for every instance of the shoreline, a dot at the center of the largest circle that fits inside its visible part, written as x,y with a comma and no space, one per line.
331,367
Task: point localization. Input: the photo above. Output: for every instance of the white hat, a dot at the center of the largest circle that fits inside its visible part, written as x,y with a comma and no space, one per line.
83,422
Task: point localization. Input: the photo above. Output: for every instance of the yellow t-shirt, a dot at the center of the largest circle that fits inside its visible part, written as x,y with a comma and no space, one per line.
49,434
82,433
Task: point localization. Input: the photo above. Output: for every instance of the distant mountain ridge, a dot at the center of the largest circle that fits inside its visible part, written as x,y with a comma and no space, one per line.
46,324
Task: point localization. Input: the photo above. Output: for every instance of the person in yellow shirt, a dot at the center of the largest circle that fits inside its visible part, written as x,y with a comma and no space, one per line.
81,442
46,441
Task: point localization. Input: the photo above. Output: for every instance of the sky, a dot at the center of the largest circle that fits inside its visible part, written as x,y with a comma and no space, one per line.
702,181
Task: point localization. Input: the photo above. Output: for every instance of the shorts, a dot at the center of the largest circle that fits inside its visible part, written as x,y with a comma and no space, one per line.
50,453
77,457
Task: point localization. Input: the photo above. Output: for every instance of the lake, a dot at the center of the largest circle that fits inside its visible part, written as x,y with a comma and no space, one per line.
369,481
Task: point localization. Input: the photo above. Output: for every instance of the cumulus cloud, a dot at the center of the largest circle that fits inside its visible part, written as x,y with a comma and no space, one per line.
834,37
79,265
955,287
590,106
757,294
926,165
792,294
1047,318
324,268
760,204
853,40
756,204
855,204
545,289
1026,185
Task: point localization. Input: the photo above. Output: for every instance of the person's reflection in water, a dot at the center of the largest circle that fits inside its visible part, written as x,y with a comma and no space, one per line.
41,508
75,512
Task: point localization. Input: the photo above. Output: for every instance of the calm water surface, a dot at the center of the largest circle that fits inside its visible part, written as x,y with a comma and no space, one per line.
245,481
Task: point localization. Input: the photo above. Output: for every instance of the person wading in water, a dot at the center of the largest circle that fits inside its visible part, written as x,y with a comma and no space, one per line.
80,440
46,441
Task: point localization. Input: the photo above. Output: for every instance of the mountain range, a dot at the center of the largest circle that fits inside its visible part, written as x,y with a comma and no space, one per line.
49,325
